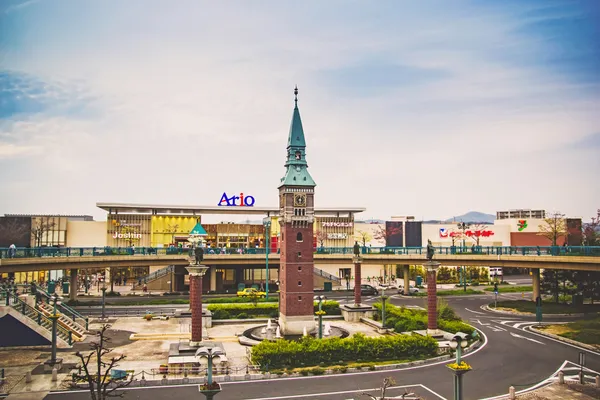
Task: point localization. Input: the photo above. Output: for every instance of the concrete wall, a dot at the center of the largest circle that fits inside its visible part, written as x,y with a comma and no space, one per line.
500,235
86,233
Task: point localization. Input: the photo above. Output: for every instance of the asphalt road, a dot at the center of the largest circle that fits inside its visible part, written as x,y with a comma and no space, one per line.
512,355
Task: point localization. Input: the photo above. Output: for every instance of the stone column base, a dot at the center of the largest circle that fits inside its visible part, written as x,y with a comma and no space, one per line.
354,312
49,365
294,325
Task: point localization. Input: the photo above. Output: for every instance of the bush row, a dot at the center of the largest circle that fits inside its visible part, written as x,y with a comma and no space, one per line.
242,311
404,319
309,351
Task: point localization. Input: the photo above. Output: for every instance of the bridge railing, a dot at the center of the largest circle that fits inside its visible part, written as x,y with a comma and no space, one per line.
593,251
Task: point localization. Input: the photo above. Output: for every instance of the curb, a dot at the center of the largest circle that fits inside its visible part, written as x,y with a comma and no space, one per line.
564,339
486,307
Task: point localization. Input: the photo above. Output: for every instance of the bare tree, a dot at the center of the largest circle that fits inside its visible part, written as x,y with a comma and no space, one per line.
12,229
363,237
39,227
101,385
172,229
385,233
389,382
477,232
321,237
554,227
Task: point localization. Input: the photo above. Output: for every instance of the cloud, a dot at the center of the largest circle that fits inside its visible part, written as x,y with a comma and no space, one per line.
12,6
408,108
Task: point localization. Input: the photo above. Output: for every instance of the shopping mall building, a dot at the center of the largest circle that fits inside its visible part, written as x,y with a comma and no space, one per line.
144,225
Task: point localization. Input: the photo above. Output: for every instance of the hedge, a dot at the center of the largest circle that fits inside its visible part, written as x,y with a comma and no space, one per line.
242,311
309,351
404,319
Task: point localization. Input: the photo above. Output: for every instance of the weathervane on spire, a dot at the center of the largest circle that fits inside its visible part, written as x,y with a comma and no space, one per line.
296,95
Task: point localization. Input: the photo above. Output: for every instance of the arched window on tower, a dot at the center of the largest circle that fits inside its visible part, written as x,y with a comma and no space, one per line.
299,237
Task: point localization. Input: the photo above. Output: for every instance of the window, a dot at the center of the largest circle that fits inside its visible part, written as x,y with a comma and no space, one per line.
299,237
299,298
299,283
299,269
299,254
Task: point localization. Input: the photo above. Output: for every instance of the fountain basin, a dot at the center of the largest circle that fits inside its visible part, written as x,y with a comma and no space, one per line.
258,333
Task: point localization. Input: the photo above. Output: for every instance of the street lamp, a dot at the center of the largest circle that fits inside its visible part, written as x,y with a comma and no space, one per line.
463,227
383,298
209,353
267,224
459,342
54,301
103,288
320,314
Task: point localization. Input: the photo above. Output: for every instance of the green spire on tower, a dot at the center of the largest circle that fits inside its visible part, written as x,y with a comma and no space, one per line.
297,173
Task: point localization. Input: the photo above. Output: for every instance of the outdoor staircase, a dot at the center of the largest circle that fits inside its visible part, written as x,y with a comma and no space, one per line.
68,316
66,322
153,277
320,277
38,317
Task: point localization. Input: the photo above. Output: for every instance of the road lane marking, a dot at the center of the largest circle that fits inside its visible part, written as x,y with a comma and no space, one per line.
357,391
526,338
475,312
502,329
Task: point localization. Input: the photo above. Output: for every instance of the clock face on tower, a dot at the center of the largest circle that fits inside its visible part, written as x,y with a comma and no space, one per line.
300,200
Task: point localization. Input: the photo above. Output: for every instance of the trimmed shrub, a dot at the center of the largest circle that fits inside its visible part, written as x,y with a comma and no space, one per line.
309,351
317,371
221,314
264,309
242,315
455,326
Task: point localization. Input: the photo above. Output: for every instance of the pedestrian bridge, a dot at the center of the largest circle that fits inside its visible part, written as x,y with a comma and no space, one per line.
554,257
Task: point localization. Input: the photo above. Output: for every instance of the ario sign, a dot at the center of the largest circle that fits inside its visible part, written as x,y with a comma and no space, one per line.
245,201
445,233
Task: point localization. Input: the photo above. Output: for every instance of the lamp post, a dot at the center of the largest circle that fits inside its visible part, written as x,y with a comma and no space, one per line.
459,342
383,298
103,288
463,227
55,301
209,353
320,314
267,224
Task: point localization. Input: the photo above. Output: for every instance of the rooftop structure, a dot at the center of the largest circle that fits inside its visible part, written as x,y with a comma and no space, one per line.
511,214
166,209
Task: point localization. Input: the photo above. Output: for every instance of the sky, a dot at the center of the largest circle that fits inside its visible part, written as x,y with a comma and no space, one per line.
427,108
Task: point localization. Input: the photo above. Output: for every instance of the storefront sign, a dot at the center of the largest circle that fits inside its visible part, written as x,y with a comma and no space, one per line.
445,233
124,223
127,235
522,225
337,236
337,224
247,201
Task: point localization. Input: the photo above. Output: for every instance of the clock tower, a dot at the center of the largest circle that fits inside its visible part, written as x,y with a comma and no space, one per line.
296,208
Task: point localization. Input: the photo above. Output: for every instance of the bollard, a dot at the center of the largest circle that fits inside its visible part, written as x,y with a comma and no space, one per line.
598,381
54,374
28,377
511,393
561,377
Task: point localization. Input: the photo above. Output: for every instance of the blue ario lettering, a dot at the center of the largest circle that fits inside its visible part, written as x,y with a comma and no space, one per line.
245,201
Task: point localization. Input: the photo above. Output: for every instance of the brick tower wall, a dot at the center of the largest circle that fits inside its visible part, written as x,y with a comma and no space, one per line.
296,300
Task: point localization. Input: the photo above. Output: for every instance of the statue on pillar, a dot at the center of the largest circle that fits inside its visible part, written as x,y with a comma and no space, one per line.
199,254
356,249
430,250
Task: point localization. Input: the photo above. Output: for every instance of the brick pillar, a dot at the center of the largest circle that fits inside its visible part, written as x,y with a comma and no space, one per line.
357,282
431,300
196,307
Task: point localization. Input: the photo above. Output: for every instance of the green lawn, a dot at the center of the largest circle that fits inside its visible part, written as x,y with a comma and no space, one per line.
586,331
510,289
453,292
548,307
